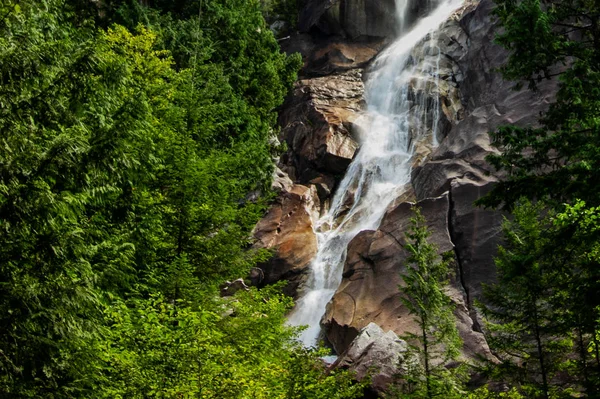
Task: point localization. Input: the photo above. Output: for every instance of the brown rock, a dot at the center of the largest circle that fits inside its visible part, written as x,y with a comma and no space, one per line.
369,290
288,230
317,124
332,55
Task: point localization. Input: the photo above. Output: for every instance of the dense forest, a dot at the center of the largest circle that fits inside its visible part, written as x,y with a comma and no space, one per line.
132,135
136,156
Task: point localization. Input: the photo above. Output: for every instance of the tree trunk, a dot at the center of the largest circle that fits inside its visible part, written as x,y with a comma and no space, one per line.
540,350
426,357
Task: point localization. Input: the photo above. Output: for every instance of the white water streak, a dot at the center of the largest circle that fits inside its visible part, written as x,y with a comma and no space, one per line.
379,173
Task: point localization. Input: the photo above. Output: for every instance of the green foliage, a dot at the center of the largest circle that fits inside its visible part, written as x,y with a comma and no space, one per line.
437,342
127,158
548,271
224,349
485,393
542,311
523,307
559,159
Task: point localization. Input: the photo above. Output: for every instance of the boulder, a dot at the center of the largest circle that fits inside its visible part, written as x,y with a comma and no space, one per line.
377,353
287,229
317,125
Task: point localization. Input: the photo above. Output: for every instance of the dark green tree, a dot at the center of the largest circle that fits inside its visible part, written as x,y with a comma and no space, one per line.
527,320
576,231
557,161
560,159
124,172
437,341
72,118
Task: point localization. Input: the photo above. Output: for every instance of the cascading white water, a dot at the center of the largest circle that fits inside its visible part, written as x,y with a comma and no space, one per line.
396,117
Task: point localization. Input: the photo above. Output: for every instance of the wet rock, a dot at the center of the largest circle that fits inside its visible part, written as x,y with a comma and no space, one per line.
317,124
287,229
488,100
369,291
369,288
349,18
476,232
376,353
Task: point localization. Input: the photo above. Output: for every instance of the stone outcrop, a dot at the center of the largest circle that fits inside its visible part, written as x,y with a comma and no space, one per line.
287,229
349,18
317,124
458,165
324,57
370,292
488,101
377,353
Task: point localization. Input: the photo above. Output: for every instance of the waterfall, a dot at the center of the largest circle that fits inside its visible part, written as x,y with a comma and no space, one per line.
399,112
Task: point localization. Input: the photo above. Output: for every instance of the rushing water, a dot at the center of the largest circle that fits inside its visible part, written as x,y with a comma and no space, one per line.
396,117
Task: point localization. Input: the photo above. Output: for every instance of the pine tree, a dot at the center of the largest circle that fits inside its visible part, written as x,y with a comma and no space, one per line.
559,159
525,310
437,341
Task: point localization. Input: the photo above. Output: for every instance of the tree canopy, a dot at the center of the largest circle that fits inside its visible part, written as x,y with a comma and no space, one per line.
557,160
131,137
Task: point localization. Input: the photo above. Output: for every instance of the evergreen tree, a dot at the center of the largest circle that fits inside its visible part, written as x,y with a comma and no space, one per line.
527,317
557,162
126,159
576,231
437,341
560,159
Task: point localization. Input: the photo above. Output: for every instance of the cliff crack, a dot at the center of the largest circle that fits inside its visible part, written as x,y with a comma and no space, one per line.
461,277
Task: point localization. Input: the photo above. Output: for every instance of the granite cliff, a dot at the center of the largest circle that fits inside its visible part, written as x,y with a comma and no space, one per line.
339,40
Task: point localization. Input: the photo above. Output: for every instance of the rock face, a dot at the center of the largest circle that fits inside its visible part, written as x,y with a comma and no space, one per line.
356,19
382,355
317,124
370,292
465,100
351,18
287,229
458,165
475,233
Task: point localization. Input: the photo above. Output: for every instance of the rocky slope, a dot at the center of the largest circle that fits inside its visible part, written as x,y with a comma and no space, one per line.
318,123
